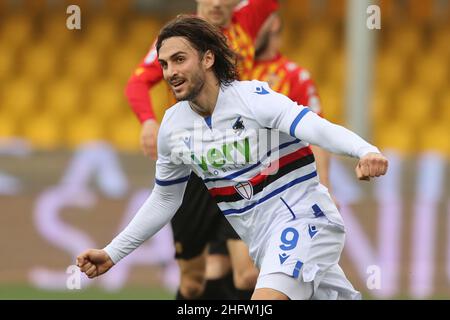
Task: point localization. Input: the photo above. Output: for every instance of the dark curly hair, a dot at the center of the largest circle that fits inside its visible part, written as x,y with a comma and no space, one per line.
203,37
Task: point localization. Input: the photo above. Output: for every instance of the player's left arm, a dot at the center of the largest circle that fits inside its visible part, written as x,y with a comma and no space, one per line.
302,123
251,14
318,131
303,90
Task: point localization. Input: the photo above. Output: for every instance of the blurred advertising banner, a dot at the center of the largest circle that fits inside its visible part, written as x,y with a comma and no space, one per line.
56,204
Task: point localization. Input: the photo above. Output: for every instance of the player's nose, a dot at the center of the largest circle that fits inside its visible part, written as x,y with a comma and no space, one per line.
171,71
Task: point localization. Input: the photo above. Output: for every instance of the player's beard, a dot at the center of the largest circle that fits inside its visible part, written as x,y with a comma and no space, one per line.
196,85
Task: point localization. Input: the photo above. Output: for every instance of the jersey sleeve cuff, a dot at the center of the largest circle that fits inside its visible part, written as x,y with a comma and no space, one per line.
111,253
367,149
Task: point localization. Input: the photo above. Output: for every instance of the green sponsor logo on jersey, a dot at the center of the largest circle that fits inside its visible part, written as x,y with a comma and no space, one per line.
218,157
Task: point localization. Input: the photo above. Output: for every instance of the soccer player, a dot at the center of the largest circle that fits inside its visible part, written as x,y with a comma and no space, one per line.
199,221
286,77
269,192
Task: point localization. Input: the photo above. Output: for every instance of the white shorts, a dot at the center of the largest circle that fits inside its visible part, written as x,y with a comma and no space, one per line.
304,253
334,286
293,288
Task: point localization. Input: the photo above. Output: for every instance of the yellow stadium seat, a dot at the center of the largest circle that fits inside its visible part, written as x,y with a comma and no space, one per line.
55,31
63,98
395,135
17,30
143,31
335,70
118,8
444,110
432,71
102,32
107,99
296,9
84,128
124,133
381,106
388,9
84,63
318,38
332,103
33,7
40,62
123,62
87,4
390,70
8,126
44,131
7,63
435,138
440,40
415,106
20,97
421,10
336,9
406,39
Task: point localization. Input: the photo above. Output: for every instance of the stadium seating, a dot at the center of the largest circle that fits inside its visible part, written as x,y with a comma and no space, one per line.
106,99
64,98
414,106
17,29
85,128
40,62
20,97
7,63
44,131
396,136
435,138
61,87
8,126
123,132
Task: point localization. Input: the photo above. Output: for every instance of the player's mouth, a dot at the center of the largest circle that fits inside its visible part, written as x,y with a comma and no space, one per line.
177,83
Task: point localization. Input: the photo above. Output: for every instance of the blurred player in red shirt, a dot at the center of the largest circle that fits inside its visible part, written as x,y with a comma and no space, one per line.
199,221
286,77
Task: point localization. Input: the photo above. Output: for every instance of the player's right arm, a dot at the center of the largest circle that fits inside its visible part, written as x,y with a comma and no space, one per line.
304,92
156,212
146,75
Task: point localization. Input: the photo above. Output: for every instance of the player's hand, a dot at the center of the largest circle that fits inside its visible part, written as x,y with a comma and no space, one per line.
371,165
149,138
94,262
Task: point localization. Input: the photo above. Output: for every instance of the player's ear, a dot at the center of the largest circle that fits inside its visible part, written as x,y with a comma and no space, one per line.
208,59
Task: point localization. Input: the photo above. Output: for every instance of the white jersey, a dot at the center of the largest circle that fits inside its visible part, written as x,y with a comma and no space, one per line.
253,156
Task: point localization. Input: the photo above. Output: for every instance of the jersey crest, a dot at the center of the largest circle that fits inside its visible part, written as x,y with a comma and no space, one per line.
245,189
